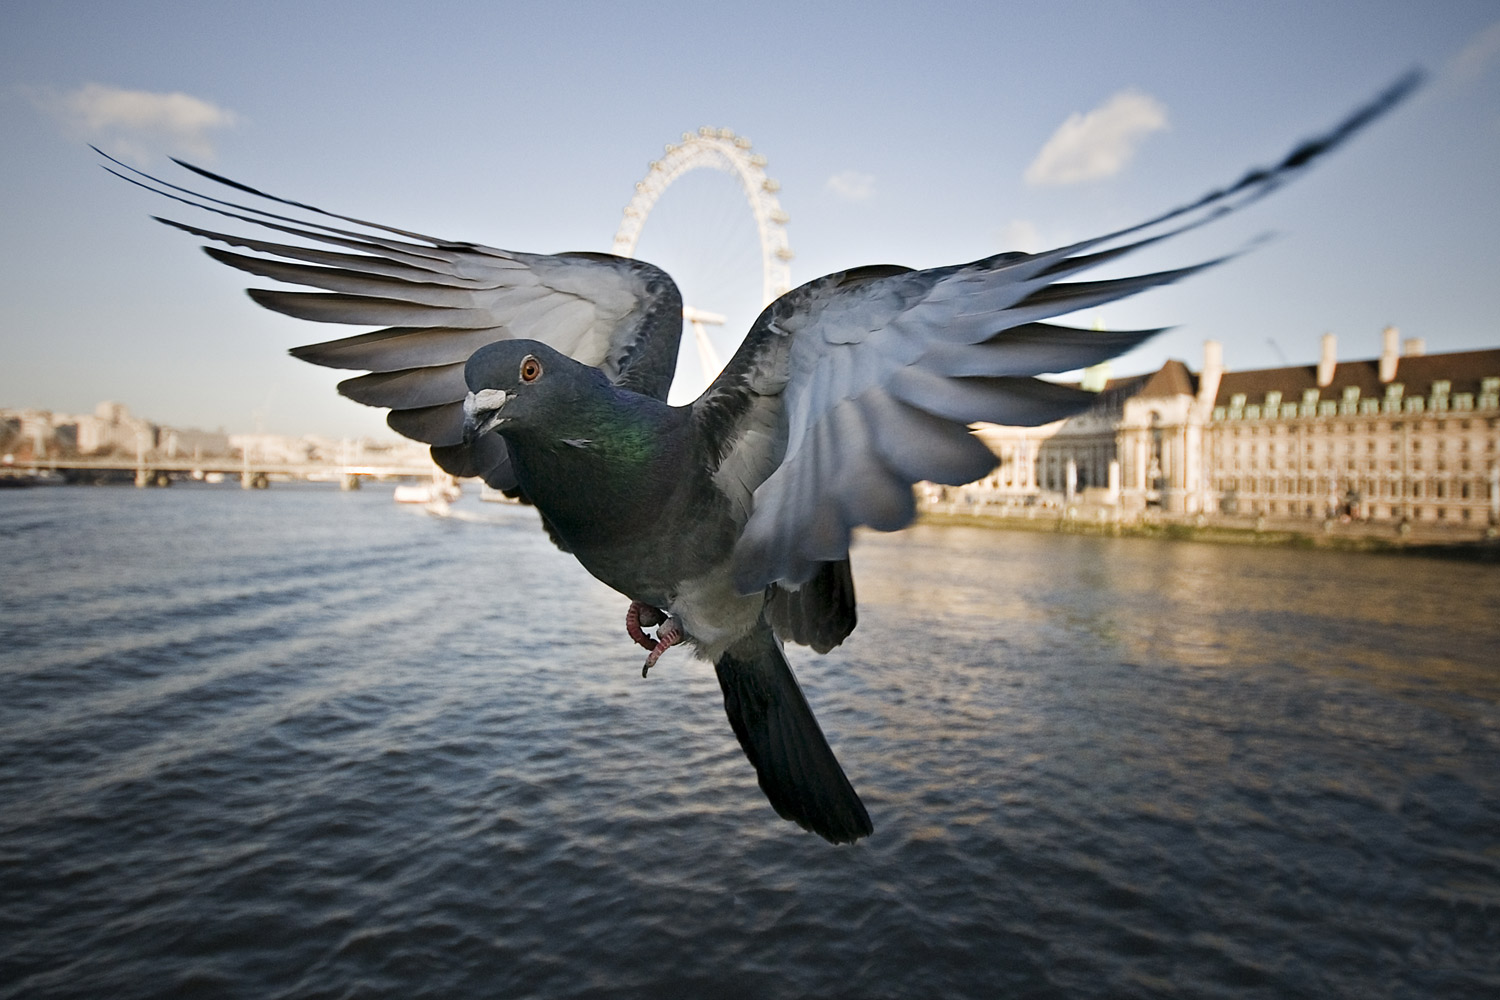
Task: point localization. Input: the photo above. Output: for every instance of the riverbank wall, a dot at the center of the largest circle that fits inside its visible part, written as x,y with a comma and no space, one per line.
1467,542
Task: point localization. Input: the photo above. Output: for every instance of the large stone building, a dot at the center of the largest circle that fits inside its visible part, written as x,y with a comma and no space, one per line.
112,429
1406,435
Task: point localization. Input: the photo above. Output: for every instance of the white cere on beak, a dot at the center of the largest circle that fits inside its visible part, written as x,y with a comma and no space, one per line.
482,411
484,401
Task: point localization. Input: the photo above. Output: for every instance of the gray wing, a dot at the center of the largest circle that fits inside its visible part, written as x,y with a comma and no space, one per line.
438,301
850,389
854,387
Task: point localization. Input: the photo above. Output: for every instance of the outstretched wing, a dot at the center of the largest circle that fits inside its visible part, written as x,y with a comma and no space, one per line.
438,302
850,389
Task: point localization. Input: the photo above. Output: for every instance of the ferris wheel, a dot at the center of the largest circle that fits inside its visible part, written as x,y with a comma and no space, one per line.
719,149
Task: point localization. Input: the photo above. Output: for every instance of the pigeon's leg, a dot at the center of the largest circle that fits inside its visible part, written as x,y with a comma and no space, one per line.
669,635
643,614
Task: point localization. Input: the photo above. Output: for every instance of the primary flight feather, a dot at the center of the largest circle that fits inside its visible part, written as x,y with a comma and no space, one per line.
726,522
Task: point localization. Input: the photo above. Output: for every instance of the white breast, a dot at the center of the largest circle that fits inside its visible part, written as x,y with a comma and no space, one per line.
713,614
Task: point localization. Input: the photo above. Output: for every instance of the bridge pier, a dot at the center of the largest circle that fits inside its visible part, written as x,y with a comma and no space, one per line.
254,480
349,482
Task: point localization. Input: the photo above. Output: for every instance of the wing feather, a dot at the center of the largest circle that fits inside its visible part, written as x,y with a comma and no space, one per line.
398,347
373,258
407,389
442,424
915,444
365,310
375,278
1034,349
999,399
487,457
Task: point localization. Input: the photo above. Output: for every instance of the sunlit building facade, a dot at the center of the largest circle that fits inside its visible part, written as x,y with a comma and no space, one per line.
1404,436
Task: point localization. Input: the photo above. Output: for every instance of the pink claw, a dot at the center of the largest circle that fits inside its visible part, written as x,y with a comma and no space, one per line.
669,635
643,614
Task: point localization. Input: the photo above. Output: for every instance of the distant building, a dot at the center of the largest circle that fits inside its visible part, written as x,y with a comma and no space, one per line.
33,433
1405,435
192,443
111,429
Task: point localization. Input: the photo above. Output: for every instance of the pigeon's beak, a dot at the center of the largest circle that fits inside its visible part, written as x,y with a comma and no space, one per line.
482,412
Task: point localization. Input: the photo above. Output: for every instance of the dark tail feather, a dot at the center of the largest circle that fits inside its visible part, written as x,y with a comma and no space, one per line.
820,613
797,769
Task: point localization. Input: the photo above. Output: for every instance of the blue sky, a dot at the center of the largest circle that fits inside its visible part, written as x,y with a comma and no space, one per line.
899,133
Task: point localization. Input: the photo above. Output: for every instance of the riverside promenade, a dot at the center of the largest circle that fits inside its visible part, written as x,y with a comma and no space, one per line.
1478,542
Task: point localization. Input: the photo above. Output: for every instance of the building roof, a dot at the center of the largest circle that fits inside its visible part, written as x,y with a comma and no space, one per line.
1462,369
1171,379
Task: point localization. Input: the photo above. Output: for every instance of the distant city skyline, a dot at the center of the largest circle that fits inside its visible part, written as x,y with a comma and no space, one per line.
133,413
111,440
971,129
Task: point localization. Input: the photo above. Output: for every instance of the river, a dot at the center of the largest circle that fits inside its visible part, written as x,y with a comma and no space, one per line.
304,743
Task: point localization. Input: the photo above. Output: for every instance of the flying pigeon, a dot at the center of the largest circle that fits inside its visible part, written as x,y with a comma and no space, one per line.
725,522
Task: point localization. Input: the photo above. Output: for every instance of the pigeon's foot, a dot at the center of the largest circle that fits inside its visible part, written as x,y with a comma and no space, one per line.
669,635
643,614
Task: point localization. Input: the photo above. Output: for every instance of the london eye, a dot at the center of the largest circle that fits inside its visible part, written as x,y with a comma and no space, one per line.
716,252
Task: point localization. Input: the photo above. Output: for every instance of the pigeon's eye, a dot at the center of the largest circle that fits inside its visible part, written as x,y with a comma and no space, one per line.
531,369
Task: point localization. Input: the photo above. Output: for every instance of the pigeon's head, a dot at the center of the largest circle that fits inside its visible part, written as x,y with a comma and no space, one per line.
519,385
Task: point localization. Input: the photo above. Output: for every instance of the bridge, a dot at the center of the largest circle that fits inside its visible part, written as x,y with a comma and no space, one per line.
252,474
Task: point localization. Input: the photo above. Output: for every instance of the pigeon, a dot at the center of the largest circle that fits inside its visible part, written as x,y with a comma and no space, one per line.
726,522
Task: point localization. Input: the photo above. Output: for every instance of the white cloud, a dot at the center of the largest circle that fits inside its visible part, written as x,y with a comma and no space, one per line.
851,185
1098,144
1476,57
135,123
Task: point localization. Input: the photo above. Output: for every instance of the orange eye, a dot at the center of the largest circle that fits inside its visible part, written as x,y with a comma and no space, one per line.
531,369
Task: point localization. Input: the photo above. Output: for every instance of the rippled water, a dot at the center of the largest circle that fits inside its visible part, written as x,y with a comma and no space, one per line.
302,743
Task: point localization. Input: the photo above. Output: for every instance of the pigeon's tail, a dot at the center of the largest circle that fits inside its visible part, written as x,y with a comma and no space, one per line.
775,725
